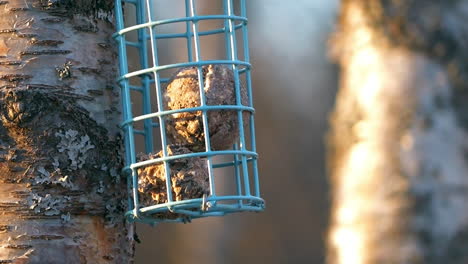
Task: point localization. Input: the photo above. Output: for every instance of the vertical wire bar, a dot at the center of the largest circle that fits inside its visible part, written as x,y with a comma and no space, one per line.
159,96
227,43
202,97
232,38
188,32
229,57
245,38
122,70
143,49
127,113
238,178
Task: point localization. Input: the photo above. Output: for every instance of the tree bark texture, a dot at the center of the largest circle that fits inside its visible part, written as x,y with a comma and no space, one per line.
61,193
398,144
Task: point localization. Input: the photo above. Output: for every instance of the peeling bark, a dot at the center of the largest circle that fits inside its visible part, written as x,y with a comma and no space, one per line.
398,143
61,194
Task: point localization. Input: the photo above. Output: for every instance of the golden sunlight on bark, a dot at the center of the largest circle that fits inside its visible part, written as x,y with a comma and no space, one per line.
396,151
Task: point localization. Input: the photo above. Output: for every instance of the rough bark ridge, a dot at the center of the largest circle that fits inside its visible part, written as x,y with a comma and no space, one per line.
61,195
398,141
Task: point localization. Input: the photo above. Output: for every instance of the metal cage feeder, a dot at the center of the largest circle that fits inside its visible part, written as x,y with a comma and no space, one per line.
152,126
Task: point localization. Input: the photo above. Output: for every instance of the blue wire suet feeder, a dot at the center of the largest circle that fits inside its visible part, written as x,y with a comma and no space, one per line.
183,180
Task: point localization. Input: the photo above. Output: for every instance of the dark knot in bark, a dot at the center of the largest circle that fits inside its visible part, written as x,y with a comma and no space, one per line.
20,106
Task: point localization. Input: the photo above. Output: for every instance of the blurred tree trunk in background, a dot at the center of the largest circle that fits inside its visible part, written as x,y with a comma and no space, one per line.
398,146
61,196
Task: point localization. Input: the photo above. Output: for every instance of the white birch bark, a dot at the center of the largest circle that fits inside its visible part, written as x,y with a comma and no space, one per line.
61,195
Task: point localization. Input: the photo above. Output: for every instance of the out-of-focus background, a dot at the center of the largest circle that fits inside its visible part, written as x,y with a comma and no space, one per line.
294,85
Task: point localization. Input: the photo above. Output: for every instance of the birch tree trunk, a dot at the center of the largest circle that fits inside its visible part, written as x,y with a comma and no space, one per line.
61,195
399,141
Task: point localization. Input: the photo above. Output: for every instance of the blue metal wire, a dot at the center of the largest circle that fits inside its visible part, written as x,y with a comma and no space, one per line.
149,76
145,81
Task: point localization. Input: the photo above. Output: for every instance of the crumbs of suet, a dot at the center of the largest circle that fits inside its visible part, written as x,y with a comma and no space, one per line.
189,179
183,92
